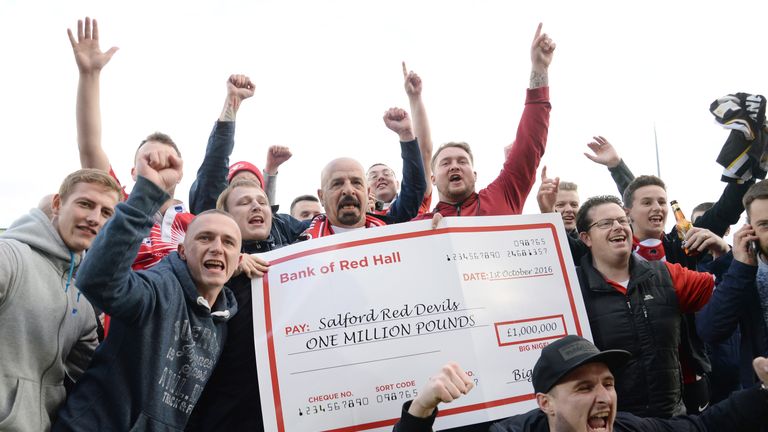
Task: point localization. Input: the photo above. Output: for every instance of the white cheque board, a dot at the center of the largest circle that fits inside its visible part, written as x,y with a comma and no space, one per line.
348,327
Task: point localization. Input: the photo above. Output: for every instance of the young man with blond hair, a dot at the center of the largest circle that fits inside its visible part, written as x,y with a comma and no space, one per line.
48,330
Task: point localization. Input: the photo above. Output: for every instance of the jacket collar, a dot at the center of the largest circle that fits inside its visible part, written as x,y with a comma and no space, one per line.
259,246
470,202
639,271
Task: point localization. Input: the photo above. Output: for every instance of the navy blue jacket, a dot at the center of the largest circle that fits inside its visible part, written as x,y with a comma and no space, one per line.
211,181
230,401
735,302
163,344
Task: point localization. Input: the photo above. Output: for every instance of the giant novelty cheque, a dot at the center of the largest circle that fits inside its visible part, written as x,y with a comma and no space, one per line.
349,327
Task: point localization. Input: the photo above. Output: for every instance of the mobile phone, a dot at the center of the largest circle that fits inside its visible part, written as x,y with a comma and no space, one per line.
754,245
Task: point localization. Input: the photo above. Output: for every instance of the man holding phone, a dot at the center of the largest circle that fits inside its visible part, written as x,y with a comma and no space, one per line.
741,298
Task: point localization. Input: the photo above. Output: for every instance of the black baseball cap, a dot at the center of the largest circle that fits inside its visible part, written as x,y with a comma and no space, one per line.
566,354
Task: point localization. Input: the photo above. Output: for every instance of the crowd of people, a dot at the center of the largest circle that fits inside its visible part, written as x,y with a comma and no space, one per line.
133,311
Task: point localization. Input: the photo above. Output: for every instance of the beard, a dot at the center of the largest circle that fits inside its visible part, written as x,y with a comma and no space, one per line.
349,217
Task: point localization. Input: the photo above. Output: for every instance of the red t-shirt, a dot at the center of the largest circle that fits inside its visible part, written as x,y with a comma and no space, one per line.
164,237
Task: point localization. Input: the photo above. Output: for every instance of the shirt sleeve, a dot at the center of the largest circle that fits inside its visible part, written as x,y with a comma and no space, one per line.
693,289
510,189
211,177
112,174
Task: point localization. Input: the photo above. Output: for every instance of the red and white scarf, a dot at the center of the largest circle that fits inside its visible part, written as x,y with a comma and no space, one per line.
321,226
650,249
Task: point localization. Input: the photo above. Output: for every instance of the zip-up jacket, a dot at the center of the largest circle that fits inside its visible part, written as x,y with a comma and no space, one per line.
734,303
644,320
165,339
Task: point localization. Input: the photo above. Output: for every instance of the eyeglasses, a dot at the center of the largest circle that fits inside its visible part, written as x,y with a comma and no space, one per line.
386,173
608,223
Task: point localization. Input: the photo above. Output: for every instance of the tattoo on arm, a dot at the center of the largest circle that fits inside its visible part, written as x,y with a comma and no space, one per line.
229,112
538,79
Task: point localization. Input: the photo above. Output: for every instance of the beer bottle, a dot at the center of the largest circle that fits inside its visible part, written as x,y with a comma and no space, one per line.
682,224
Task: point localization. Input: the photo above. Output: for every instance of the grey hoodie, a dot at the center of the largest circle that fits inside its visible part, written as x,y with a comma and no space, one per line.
47,329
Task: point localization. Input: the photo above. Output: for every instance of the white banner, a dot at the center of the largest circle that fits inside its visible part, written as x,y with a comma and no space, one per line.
348,327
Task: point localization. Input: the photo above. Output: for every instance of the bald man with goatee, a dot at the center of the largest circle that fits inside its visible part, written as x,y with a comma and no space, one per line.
344,187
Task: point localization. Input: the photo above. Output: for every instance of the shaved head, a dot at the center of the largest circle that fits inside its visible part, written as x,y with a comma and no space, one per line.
344,192
344,163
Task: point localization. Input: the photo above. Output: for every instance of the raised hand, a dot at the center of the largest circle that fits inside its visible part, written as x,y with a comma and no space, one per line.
411,82
604,153
276,155
240,87
160,165
421,129
547,194
448,385
542,50
398,121
88,55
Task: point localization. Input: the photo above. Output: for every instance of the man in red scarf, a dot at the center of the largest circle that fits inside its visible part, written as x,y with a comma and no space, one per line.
344,187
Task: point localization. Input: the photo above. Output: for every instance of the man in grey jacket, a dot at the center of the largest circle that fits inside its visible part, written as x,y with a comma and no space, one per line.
48,331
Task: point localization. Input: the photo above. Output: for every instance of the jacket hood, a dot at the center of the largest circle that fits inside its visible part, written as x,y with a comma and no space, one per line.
226,304
37,231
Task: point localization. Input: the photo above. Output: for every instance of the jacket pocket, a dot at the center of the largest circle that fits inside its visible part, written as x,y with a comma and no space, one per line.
12,410
144,423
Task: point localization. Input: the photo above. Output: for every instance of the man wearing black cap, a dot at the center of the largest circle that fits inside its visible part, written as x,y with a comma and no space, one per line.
574,386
